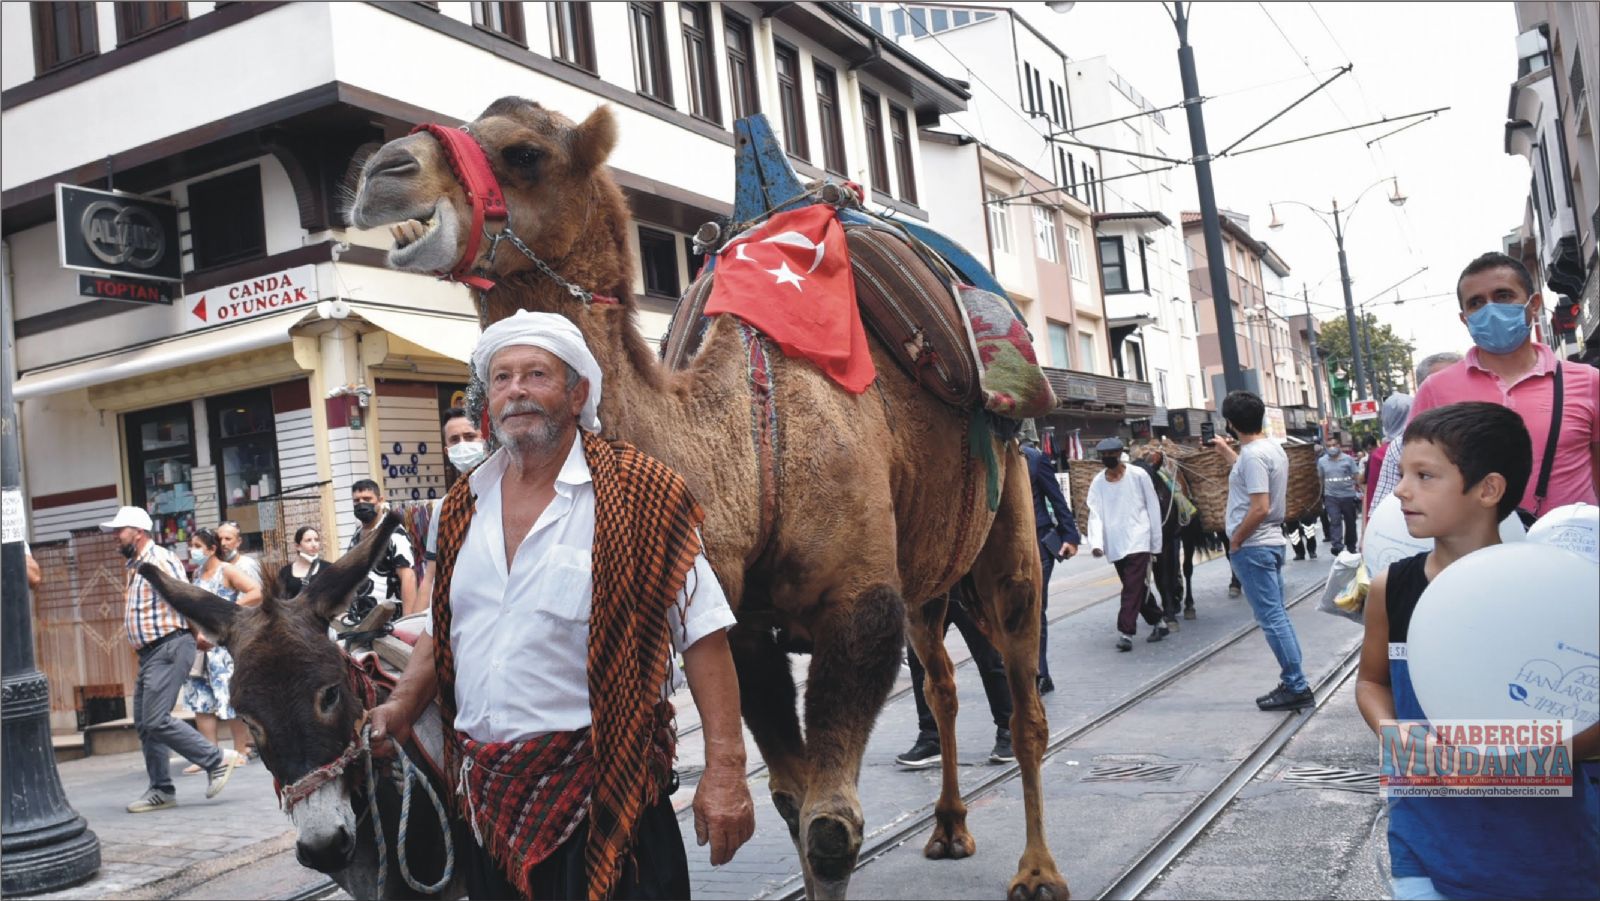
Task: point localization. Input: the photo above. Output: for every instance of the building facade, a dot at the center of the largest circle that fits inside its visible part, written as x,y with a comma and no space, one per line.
288,362
1551,120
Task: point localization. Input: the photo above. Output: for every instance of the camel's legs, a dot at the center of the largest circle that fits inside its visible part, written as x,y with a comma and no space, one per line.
1007,576
926,630
767,698
853,666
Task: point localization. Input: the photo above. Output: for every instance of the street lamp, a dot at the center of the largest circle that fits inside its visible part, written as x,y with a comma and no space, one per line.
1338,230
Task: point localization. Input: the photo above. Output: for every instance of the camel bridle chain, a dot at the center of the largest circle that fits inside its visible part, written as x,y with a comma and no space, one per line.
470,166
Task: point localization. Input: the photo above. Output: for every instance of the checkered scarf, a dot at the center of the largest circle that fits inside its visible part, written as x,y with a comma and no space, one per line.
531,795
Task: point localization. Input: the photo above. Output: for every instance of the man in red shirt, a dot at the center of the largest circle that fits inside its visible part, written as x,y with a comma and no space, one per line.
1506,366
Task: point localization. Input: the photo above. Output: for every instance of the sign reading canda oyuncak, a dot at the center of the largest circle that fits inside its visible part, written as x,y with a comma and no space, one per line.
253,297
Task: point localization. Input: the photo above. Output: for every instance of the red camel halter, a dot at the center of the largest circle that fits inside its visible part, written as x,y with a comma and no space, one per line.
470,166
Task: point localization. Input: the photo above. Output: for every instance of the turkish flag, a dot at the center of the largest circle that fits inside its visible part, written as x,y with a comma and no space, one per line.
791,280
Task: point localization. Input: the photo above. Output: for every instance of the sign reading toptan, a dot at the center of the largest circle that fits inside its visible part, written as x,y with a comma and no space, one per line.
258,296
121,234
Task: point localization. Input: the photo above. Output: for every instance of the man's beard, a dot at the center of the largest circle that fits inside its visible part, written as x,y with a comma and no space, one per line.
539,438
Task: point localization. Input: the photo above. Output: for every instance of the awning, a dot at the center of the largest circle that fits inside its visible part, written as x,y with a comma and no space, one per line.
156,356
450,336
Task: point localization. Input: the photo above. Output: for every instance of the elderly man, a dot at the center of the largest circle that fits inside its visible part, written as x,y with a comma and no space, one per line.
1389,466
564,589
1125,527
228,538
166,649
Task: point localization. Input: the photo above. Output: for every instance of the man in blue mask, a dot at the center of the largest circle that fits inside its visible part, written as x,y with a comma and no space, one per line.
1506,366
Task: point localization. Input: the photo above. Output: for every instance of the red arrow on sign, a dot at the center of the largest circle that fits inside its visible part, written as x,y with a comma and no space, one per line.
200,308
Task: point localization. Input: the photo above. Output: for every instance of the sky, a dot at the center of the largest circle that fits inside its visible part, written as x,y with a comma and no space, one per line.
1465,193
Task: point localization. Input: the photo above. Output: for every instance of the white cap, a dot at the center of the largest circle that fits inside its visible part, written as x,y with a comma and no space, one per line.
128,516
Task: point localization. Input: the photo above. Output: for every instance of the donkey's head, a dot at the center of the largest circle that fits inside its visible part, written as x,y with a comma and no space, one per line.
290,685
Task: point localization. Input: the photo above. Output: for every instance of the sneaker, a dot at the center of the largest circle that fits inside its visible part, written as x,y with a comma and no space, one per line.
1313,553
217,779
1124,643
1282,698
1046,685
1170,623
924,753
1157,632
1002,752
1188,613
154,799
1234,590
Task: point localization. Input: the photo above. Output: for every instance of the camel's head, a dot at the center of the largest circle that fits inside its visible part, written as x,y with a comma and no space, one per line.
550,169
290,685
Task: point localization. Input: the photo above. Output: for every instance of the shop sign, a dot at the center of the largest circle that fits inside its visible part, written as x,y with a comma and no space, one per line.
253,297
1141,394
1275,424
123,234
1363,409
132,290
1081,389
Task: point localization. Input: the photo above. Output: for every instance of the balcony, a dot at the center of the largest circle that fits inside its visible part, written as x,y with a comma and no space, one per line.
1086,392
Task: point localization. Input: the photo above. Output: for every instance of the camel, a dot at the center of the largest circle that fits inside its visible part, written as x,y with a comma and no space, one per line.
870,513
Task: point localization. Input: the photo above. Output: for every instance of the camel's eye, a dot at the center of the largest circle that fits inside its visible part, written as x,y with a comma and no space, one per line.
522,156
328,699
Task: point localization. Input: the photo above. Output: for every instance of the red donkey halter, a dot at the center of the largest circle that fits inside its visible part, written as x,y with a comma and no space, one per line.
470,166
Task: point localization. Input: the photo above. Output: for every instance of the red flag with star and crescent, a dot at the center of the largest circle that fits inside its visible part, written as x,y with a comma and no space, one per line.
791,280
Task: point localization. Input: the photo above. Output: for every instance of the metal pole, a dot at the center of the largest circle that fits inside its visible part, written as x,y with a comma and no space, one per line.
1311,330
1211,224
1349,308
44,844
1366,350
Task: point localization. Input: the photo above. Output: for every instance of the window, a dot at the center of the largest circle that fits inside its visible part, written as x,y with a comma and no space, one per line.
1058,105
877,158
1072,175
828,117
787,61
1091,187
1179,318
1113,268
161,458
874,15
225,219
1044,233
981,16
1030,104
658,258
650,51
960,17
897,19
63,33
698,67
1549,188
1196,396
136,20
941,20
1161,387
572,34
999,221
1060,339
504,19
900,135
737,43
1144,268
1075,253
1086,352
919,22
244,441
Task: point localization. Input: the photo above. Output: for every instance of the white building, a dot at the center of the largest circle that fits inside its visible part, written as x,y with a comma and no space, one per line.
247,117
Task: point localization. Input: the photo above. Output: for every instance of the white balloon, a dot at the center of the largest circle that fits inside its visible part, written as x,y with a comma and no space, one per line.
1387,539
1511,631
1575,527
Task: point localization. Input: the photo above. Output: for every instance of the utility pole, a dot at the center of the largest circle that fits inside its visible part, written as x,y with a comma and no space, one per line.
44,844
1366,349
1349,306
1316,361
1209,220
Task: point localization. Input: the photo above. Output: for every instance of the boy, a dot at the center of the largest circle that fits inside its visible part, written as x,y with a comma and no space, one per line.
1465,467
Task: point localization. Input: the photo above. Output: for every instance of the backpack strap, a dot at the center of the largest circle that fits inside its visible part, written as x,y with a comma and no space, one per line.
1556,409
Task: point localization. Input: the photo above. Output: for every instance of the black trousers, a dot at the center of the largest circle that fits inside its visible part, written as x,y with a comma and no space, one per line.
984,656
659,867
1048,563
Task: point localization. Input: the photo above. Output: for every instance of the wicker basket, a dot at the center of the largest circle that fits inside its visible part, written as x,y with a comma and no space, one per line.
1305,483
1204,476
1080,473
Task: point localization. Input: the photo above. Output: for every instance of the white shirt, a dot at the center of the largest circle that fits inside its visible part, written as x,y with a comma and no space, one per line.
521,633
1124,516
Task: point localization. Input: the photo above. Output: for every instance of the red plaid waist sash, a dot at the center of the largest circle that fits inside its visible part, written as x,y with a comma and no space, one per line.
524,799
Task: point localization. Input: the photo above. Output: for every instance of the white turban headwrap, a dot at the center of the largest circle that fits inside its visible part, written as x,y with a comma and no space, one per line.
551,332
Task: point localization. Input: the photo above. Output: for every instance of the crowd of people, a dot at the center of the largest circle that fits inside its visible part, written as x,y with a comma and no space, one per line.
1505,427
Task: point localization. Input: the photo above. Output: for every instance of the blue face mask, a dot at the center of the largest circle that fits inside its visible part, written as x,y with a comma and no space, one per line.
1499,328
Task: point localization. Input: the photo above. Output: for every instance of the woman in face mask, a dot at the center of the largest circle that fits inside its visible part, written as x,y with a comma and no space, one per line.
307,562
206,691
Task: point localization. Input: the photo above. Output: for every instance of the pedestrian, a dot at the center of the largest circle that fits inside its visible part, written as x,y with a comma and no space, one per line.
391,587
1258,485
1466,467
228,535
1389,471
295,575
206,690
1168,577
1057,531
575,679
1498,305
1341,495
465,448
166,649
1125,528
1302,535
925,751
1392,416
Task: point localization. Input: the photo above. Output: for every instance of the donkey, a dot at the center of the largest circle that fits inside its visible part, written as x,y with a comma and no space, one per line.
1164,566
302,699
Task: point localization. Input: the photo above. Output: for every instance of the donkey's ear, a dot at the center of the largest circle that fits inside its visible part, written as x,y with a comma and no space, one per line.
329,594
212,614
593,139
